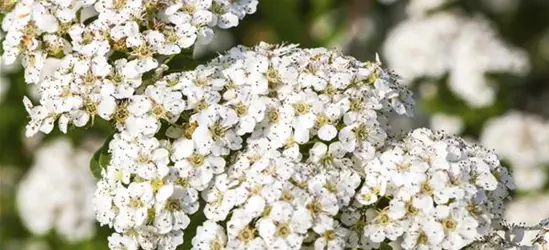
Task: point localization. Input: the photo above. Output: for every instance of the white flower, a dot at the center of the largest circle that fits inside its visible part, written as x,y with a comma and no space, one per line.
115,12
284,228
425,234
122,242
303,104
209,236
124,86
65,207
383,227
362,134
219,198
166,104
214,132
170,241
200,169
342,183
133,203
330,156
170,213
332,235
41,119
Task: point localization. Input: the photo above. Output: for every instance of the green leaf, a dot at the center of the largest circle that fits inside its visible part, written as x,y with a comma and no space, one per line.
95,167
385,246
100,159
197,219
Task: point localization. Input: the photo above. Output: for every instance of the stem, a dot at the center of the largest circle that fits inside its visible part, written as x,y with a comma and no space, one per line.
169,58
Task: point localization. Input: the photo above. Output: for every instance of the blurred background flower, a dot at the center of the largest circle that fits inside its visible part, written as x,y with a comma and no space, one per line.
56,192
479,69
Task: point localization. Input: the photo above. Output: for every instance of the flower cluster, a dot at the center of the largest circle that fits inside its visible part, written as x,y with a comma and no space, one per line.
269,147
56,194
85,34
264,140
523,141
448,43
511,236
432,190
285,147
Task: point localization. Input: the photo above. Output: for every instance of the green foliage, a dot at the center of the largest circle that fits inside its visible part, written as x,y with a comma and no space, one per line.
197,219
100,159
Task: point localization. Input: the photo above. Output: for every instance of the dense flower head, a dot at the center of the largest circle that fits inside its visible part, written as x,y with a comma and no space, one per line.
266,141
432,190
102,49
92,30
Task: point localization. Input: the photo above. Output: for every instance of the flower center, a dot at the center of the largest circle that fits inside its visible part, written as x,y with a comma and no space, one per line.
201,105
216,245
327,160
196,160
218,131
218,8
189,129
315,206
422,239
273,78
449,224
241,108
330,90
322,120
246,235
356,105
121,114
329,235
119,4
282,230
273,115
287,195
330,186
143,158
383,218
302,108
403,167
91,108
159,111
135,203
184,182
361,132
171,37
426,188
173,205
157,184
189,8
410,209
